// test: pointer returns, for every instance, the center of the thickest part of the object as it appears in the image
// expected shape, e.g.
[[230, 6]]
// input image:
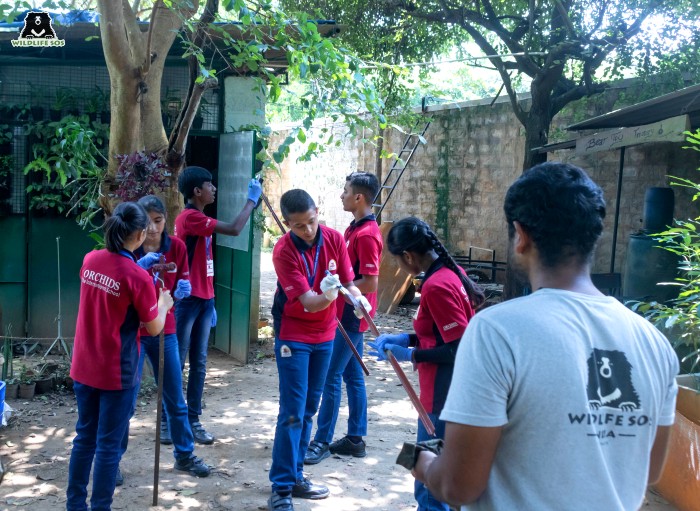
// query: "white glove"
[[365, 304], [329, 286]]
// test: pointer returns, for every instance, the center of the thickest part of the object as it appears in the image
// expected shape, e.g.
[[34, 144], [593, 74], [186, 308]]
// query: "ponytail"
[[413, 235], [127, 218], [474, 292]]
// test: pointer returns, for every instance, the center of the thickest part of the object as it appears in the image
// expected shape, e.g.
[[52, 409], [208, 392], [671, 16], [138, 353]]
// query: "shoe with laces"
[[201, 436], [346, 447], [119, 479], [165, 437], [316, 453], [277, 502], [194, 466], [305, 489]]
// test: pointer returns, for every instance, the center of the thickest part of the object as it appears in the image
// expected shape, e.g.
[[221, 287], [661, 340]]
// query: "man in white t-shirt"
[[562, 399]]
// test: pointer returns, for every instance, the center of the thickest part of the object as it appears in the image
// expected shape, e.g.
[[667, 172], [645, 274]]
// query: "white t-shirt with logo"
[[579, 384]]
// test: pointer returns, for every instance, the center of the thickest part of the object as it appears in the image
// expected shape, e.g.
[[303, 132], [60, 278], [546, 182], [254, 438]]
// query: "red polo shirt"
[[364, 243], [442, 317], [116, 295], [295, 262], [195, 229], [175, 252]]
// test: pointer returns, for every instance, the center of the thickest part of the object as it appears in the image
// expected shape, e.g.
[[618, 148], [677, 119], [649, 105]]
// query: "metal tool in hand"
[[159, 399], [422, 414], [349, 342], [264, 198]]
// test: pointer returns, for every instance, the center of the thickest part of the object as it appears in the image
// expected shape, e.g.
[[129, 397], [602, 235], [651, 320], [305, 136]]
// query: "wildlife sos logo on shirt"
[[38, 31], [614, 407]]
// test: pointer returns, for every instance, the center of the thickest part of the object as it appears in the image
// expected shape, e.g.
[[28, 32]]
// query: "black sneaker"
[[277, 502], [346, 447], [194, 466], [305, 489], [201, 436], [119, 480], [316, 453], [165, 437]]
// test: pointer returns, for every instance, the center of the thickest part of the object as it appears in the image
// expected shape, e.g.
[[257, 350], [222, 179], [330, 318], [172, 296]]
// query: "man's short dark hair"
[[191, 178], [561, 208], [295, 201], [365, 184]]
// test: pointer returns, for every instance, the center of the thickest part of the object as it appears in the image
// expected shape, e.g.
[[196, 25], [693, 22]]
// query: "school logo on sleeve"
[[332, 266]]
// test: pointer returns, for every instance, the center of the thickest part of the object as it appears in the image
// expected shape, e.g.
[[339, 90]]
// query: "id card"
[[210, 267]]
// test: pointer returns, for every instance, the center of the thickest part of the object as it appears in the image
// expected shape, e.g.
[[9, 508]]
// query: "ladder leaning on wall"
[[413, 140]]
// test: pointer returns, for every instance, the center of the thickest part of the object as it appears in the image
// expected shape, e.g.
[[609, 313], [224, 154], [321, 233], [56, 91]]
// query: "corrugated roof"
[[680, 102]]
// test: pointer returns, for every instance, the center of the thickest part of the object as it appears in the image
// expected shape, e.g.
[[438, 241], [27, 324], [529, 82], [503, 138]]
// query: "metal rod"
[[159, 415], [352, 347], [422, 414], [617, 209], [272, 212]]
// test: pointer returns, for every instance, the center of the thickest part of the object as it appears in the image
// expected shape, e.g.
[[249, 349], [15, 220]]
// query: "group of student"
[[518, 392]]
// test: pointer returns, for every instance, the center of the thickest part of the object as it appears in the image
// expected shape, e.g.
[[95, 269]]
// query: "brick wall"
[[457, 181]]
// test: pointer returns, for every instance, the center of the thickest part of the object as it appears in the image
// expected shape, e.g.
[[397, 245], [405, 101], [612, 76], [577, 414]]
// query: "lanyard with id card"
[[210, 261]]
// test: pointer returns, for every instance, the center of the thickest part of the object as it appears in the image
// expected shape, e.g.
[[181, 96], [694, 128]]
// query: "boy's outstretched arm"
[[234, 228]]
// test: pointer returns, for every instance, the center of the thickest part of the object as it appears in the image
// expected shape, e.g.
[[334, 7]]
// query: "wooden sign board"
[[668, 130], [393, 281]]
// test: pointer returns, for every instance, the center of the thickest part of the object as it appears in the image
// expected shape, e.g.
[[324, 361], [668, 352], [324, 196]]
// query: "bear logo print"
[[610, 381], [38, 31]]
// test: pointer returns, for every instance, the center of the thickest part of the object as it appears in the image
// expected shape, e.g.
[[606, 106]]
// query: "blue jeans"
[[103, 419], [302, 373], [173, 400], [193, 319], [426, 500], [343, 366]]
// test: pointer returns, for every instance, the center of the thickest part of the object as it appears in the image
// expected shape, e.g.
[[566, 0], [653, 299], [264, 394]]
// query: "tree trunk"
[[539, 119]]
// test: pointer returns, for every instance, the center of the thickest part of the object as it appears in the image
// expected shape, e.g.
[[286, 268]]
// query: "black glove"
[[409, 452]]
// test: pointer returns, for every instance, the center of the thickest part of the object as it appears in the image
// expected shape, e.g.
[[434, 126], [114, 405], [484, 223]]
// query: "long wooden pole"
[[352, 347]]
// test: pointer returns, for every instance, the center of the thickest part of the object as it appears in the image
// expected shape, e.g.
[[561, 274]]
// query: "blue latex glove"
[[254, 190], [380, 343], [213, 319], [149, 260], [183, 289], [402, 354]]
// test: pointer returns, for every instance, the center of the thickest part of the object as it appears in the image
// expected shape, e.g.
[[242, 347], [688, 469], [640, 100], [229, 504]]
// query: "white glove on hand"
[[365, 304], [329, 286]]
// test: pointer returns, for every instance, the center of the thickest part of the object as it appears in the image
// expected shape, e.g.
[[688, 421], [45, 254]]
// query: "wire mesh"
[[31, 93]]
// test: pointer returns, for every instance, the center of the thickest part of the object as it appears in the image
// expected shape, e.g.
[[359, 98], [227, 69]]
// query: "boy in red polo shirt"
[[305, 323], [195, 315], [364, 244]]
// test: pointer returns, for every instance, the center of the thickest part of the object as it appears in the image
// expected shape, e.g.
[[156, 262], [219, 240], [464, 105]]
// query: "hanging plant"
[[140, 174]]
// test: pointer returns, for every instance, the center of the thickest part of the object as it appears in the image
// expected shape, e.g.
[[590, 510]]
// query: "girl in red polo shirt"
[[447, 303], [116, 295]]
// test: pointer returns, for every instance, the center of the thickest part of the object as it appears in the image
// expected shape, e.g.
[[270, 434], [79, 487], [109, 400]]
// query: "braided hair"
[[414, 235], [126, 218]]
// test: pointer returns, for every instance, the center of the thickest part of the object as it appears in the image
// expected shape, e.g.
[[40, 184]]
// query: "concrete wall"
[[457, 181]]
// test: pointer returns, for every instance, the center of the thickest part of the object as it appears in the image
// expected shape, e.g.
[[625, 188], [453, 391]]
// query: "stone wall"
[[457, 181]]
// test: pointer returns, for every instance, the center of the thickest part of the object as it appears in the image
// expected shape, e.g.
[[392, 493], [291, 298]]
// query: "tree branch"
[[114, 40], [146, 66], [134, 35]]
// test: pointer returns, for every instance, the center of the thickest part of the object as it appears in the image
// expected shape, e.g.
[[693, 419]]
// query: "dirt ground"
[[241, 409]]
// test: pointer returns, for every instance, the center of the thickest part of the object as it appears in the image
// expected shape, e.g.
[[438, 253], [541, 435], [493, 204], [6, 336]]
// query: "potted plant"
[[27, 385], [37, 97], [11, 388], [95, 104], [678, 318], [6, 166], [63, 102]]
